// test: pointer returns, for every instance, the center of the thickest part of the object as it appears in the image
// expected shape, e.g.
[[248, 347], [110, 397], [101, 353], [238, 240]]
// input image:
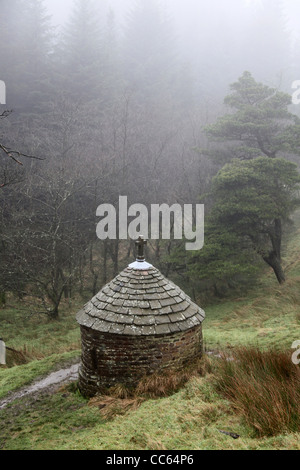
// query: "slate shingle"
[[141, 303]]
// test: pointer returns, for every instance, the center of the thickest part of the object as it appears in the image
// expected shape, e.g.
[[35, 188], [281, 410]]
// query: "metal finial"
[[140, 244]]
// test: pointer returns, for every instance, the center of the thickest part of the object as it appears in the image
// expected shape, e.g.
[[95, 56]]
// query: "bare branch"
[[13, 154], [10, 153], [5, 114]]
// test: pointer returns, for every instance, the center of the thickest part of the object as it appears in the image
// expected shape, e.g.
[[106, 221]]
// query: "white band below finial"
[[140, 265]]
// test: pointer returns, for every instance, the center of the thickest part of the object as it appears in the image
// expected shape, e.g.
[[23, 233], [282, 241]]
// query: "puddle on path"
[[56, 378]]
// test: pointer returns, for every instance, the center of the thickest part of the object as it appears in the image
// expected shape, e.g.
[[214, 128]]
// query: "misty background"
[[111, 98]]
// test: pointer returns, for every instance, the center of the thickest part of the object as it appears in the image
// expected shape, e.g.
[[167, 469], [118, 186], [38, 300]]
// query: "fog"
[[242, 32], [115, 98], [183, 11]]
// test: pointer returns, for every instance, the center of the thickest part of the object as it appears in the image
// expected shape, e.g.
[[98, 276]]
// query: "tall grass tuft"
[[120, 399], [163, 384], [263, 386]]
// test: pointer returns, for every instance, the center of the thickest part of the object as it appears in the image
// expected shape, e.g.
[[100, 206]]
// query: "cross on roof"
[[140, 244]]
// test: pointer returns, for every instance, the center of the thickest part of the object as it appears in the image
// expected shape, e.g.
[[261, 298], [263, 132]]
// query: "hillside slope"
[[191, 418]]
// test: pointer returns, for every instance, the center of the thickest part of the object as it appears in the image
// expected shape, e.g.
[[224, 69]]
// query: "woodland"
[[100, 107]]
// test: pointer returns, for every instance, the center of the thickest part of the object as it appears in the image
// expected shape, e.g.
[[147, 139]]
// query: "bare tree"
[[9, 175]]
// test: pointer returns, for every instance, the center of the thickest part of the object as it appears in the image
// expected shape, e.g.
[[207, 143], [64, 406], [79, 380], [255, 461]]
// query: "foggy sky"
[[183, 11]]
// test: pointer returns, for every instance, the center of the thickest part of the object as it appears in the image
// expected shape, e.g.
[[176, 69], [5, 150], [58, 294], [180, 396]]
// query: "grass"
[[268, 317], [41, 346], [176, 413], [269, 320], [190, 419], [16, 377], [36, 336], [264, 388]]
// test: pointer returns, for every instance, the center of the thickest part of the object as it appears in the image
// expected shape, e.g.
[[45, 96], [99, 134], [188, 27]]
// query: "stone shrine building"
[[138, 324]]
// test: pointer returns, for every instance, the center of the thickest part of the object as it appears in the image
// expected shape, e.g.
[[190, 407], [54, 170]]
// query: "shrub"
[[264, 387]]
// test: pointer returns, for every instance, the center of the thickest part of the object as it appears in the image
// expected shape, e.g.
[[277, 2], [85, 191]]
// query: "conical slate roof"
[[140, 301]]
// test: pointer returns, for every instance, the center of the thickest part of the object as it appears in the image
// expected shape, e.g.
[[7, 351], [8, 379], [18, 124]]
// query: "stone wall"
[[109, 359]]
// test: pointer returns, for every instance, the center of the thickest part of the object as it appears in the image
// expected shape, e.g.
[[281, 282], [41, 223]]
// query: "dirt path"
[[50, 383], [53, 381]]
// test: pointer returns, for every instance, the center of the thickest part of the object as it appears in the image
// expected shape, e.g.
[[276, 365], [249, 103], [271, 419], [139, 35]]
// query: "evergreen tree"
[[81, 56], [150, 51], [259, 123], [216, 46], [37, 36], [10, 30], [253, 195], [82, 35], [252, 201], [267, 44], [26, 45]]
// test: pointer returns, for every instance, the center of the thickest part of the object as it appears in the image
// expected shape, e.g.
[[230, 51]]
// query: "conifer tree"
[[254, 193], [259, 122], [25, 50], [150, 51], [80, 54], [267, 44]]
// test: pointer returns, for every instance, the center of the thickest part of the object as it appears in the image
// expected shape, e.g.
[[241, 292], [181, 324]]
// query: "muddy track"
[[48, 384]]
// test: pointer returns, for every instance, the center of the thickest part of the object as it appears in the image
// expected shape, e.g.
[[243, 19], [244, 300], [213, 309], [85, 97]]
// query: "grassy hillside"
[[190, 418]]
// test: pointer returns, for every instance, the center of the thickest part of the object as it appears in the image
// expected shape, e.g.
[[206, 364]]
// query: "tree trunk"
[[54, 315], [2, 299], [274, 257], [274, 261], [104, 270], [277, 237], [95, 284]]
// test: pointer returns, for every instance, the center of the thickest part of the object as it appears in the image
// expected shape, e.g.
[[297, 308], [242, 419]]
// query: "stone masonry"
[[137, 324]]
